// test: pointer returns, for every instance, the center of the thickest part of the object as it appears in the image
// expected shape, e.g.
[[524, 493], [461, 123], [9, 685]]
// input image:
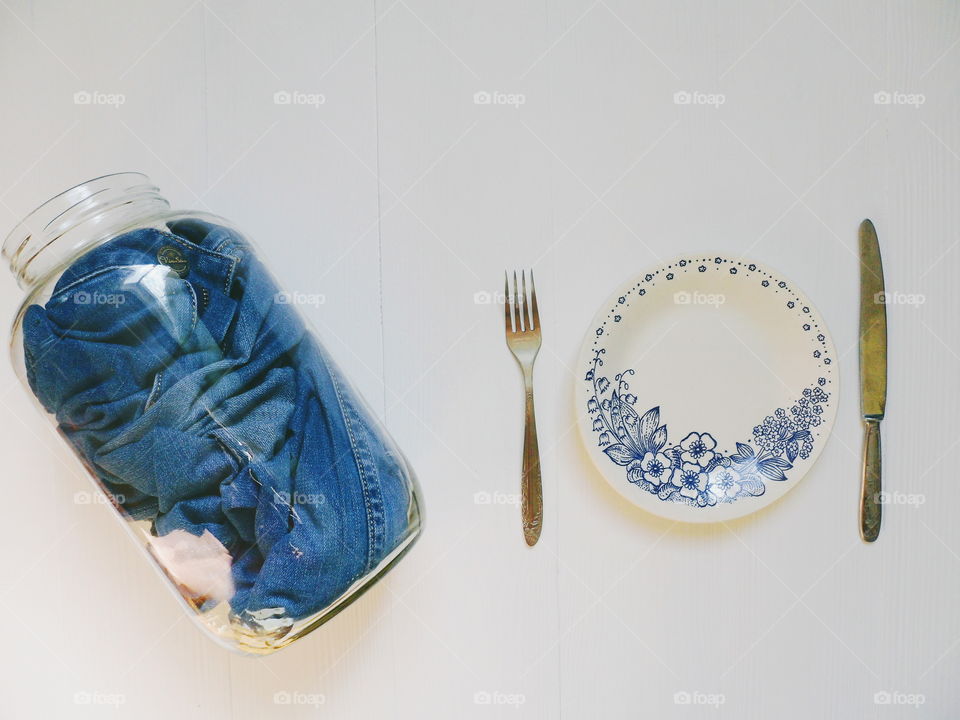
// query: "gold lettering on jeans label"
[[173, 259]]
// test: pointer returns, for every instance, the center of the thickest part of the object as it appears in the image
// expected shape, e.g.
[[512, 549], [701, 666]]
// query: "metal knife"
[[873, 376]]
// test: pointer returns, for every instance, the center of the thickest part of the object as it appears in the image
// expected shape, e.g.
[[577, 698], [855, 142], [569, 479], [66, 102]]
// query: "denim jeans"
[[202, 403]]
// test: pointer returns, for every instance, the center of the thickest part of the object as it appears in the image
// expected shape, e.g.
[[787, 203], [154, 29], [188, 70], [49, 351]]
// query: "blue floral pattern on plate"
[[694, 471]]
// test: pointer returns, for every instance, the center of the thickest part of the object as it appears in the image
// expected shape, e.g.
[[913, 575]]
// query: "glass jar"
[[244, 464]]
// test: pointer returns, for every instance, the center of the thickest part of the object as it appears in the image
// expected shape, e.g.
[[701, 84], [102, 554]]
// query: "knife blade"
[[873, 377]]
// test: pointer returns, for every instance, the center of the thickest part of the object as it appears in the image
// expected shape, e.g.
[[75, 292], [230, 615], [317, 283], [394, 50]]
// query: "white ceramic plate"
[[710, 385]]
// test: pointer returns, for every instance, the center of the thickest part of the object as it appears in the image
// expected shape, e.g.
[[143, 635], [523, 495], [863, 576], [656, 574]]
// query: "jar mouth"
[[76, 218]]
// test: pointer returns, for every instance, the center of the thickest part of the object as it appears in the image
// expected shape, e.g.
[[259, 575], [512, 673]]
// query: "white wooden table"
[[389, 186]]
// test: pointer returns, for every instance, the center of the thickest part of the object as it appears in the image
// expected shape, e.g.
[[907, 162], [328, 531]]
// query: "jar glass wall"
[[238, 455]]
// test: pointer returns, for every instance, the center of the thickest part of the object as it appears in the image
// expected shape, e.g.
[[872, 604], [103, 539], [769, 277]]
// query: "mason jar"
[[245, 466]]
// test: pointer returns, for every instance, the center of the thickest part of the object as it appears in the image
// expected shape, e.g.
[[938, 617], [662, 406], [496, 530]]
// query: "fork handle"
[[531, 488]]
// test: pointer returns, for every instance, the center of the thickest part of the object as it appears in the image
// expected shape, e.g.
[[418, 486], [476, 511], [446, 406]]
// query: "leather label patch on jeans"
[[173, 259]]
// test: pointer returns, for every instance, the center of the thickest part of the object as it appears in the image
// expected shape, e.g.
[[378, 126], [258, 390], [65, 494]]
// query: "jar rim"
[[63, 212], [49, 202]]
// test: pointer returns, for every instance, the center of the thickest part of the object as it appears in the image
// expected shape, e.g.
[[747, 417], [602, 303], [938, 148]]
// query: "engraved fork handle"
[[531, 488]]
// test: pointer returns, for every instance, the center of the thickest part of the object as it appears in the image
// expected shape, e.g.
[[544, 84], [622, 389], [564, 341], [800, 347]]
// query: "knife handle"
[[870, 506]]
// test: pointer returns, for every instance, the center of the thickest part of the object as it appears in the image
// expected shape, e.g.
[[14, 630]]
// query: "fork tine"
[[535, 314], [507, 306], [526, 305], [517, 304]]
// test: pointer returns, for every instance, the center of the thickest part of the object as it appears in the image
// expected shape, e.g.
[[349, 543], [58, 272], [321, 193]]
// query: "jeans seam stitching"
[[360, 470], [154, 391]]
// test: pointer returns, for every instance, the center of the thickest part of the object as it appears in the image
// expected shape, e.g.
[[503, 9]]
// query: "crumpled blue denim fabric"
[[204, 403]]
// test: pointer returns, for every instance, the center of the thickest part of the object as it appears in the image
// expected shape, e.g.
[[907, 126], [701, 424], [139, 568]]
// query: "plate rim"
[[680, 512]]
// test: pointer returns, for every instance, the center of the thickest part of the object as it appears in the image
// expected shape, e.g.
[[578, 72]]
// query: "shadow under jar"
[[242, 461]]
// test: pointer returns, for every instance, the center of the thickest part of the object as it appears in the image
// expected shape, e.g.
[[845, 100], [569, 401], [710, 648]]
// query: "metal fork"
[[523, 339]]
